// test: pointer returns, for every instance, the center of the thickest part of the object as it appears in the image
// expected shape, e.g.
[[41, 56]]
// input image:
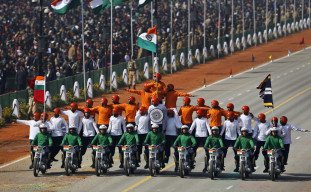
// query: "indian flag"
[[62, 6], [38, 94], [142, 3], [96, 5], [107, 3], [148, 40]]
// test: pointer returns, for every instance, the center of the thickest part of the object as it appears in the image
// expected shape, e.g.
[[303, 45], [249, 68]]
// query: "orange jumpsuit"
[[145, 97], [171, 98], [130, 111], [92, 113], [236, 113], [204, 110], [158, 88], [104, 113], [186, 114], [215, 116]]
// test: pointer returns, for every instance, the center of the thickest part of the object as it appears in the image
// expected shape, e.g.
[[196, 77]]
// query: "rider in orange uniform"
[[130, 109], [230, 108], [104, 112], [201, 103], [145, 95], [215, 113], [157, 87], [88, 105], [171, 96]]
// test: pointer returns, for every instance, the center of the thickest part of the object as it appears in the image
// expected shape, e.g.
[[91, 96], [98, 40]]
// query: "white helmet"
[[130, 125], [184, 127], [42, 126], [273, 129], [103, 127], [215, 128], [154, 126], [244, 129]]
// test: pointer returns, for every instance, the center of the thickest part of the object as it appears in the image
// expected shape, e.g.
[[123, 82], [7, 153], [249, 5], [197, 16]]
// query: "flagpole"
[[83, 51], [302, 7], [309, 15], [189, 15], [243, 22], [285, 10], [111, 52], [275, 17], [232, 19], [204, 25], [218, 36], [254, 16], [267, 21], [171, 35], [44, 96], [132, 46], [295, 12], [152, 54]]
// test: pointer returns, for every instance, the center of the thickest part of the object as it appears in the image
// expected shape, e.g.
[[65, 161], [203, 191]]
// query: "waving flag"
[[63, 6], [96, 5], [38, 94], [148, 40], [142, 3], [266, 91], [107, 3]]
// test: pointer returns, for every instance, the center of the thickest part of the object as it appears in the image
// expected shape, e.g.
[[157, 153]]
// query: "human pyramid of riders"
[[156, 123]]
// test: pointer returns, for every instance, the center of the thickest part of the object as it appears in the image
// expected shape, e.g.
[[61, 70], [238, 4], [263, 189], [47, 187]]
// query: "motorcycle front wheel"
[[151, 167], [36, 167], [97, 167], [242, 170], [67, 166], [181, 168], [127, 166], [272, 171], [211, 169]]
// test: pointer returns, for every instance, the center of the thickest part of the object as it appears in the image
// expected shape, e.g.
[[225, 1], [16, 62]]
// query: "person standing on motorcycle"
[[171, 96], [231, 131], [186, 112], [116, 103], [157, 86], [215, 113], [201, 129], [273, 141], [244, 142], [214, 141], [104, 112], [285, 130], [33, 131], [44, 139], [145, 95], [185, 139], [130, 109], [102, 139], [74, 116], [230, 108], [245, 119], [154, 137], [142, 121], [259, 135], [130, 137], [172, 130], [58, 127], [116, 129], [72, 138], [88, 105], [201, 103], [89, 130]]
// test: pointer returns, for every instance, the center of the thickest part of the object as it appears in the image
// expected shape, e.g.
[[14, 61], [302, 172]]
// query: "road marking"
[[229, 187], [278, 77], [239, 94], [297, 68], [289, 99], [298, 137], [13, 162], [231, 98]]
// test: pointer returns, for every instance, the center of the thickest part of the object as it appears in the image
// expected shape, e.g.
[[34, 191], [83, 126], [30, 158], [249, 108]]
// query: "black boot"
[[205, 165], [176, 167], [266, 163], [121, 160], [236, 166]]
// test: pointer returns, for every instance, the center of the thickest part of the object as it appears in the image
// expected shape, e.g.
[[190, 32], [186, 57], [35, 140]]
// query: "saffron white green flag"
[[39, 89], [96, 5], [142, 3], [148, 40], [62, 6]]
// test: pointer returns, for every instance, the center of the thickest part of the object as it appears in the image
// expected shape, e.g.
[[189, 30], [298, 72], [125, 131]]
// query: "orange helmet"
[[230, 106], [283, 120], [89, 102], [170, 112], [44, 115], [200, 101], [74, 105], [261, 117], [187, 100], [230, 115], [245, 108], [87, 110], [104, 101], [155, 100], [147, 87], [274, 119], [214, 103], [115, 111], [158, 76], [170, 87], [143, 109], [115, 98], [36, 116], [200, 112], [131, 99], [56, 111]]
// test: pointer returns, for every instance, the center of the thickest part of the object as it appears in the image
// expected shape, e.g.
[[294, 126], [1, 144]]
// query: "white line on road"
[[298, 137], [16, 161], [297, 68], [239, 94], [231, 98], [229, 187]]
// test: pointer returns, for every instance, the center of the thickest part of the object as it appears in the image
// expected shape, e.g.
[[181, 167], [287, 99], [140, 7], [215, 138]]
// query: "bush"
[[2, 122], [7, 115], [96, 90], [23, 108], [57, 102]]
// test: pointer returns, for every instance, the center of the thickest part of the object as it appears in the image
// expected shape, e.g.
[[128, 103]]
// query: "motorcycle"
[[40, 162], [245, 163], [129, 159], [275, 164], [154, 161], [71, 160], [101, 159], [184, 161], [214, 168]]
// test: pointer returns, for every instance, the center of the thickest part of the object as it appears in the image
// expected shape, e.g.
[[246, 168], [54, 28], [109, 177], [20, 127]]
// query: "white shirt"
[[231, 130], [33, 127], [89, 127], [201, 127], [163, 109], [172, 124], [142, 123], [286, 132], [246, 121], [260, 130], [115, 125], [58, 126], [74, 119]]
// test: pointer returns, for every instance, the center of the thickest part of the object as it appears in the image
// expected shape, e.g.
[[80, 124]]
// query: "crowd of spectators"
[[20, 26]]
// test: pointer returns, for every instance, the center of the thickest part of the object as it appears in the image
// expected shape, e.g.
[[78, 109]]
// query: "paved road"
[[291, 83]]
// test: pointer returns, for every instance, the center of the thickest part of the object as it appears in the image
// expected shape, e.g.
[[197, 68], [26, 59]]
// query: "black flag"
[[266, 91]]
